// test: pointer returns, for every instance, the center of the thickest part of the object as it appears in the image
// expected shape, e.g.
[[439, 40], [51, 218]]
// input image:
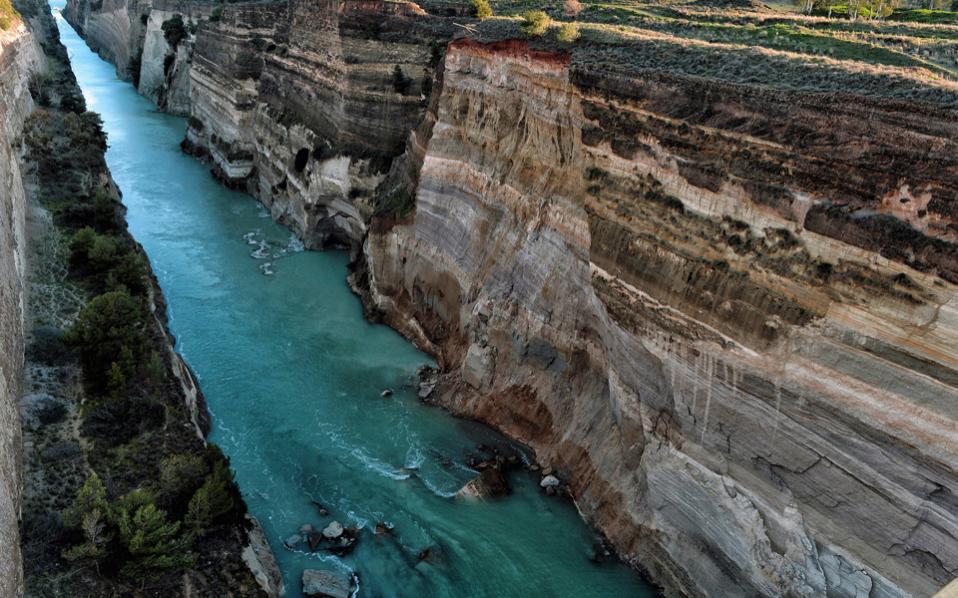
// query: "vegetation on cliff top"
[[8, 14], [777, 48]]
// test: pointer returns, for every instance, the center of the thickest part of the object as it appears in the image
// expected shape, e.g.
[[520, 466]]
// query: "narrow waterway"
[[292, 374]]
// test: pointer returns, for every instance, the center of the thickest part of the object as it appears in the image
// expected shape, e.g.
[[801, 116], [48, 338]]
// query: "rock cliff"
[[712, 286], [703, 303], [19, 57]]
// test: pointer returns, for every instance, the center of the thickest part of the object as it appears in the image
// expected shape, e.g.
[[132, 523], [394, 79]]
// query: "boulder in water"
[[428, 379], [333, 530], [326, 584], [490, 483], [306, 529], [550, 481], [344, 544], [387, 392], [293, 541]]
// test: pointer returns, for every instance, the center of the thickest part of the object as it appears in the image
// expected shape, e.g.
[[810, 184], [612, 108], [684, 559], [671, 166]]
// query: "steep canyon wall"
[[677, 291], [723, 311], [19, 57]]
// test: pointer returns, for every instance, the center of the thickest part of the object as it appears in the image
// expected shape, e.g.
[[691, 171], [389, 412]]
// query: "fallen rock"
[[549, 481], [386, 392], [344, 544], [490, 483], [478, 365], [326, 584], [428, 379], [314, 539], [293, 541], [333, 530]]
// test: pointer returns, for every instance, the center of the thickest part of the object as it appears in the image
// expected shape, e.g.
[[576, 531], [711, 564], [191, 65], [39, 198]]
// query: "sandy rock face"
[[702, 320]]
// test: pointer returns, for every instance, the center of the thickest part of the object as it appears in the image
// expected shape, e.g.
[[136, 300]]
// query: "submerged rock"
[[326, 584], [344, 544], [489, 484], [428, 379], [293, 541], [333, 530]]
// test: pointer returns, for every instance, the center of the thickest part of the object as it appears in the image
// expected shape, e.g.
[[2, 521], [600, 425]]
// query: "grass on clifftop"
[[914, 60], [8, 15]]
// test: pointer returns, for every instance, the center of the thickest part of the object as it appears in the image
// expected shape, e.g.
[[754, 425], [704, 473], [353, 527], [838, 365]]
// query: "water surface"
[[292, 375]]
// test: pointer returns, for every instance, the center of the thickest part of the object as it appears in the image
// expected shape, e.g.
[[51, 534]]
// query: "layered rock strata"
[[114, 29], [306, 104], [726, 314], [20, 56]]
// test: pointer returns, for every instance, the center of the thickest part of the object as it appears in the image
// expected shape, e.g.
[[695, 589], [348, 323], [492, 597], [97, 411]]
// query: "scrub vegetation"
[[881, 49], [130, 486]]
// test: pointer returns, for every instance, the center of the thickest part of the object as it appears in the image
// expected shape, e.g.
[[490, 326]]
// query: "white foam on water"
[[262, 252], [414, 458], [295, 245], [436, 489], [384, 469]]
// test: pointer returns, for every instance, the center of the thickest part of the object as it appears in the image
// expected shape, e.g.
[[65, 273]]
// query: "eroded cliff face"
[[19, 57], [114, 29], [164, 75], [306, 104], [725, 314]]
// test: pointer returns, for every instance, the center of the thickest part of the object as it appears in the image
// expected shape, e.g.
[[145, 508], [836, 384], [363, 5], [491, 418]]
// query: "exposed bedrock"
[[300, 104], [114, 29], [20, 55], [705, 305]]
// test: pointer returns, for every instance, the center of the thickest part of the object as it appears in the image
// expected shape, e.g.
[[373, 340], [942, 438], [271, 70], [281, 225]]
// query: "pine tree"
[[90, 514], [154, 544]]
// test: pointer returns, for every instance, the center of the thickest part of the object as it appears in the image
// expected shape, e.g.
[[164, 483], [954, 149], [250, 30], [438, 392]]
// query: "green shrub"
[[174, 30], [401, 82], [180, 477], [568, 33], [153, 544], [480, 9], [109, 330], [106, 263], [535, 23], [90, 515], [218, 500]]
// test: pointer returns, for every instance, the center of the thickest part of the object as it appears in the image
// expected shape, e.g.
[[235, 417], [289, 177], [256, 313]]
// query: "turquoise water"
[[292, 375]]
